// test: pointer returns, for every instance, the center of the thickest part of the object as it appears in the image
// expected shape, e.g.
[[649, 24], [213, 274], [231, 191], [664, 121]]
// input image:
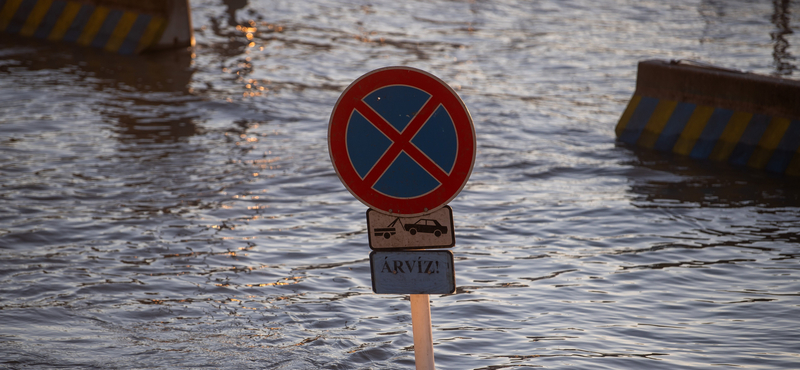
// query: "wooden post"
[[423, 337]]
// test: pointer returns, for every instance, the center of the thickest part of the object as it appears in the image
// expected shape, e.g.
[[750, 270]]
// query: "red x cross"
[[401, 141]]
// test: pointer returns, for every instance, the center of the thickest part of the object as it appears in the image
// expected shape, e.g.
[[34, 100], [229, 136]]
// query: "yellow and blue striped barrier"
[[689, 122], [101, 24]]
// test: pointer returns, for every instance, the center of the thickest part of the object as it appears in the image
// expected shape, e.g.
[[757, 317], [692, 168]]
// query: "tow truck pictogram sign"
[[423, 225], [433, 230], [401, 141]]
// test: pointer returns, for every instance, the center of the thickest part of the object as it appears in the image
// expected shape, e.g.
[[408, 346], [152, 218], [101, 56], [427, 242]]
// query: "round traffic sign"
[[401, 141]]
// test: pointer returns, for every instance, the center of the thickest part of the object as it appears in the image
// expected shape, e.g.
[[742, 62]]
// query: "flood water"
[[180, 209]]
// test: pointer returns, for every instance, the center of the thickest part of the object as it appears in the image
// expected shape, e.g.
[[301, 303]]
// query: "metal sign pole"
[[423, 337], [403, 143]]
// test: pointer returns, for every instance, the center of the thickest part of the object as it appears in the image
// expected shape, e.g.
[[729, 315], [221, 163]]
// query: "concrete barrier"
[[120, 26], [707, 112]]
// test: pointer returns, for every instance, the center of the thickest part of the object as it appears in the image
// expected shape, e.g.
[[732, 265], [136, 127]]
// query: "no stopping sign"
[[401, 141]]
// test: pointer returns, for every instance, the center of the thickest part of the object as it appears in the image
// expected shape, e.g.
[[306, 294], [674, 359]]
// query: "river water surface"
[[180, 209]]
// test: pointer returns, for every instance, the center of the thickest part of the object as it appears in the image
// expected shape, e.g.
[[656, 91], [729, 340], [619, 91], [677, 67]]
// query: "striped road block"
[[126, 29], [741, 118]]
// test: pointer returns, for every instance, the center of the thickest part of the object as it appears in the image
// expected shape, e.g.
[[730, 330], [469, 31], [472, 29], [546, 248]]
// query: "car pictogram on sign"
[[426, 226]]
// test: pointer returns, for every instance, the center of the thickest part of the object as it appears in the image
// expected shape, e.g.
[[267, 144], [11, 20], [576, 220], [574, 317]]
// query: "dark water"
[[180, 209]]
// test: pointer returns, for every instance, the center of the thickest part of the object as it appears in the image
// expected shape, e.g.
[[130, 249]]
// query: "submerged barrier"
[[120, 26], [706, 112]]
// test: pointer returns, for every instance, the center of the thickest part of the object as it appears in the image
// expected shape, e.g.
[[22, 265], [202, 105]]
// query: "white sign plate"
[[412, 272], [432, 230]]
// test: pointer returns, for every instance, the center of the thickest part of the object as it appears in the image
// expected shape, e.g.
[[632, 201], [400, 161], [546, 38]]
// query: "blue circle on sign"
[[436, 139]]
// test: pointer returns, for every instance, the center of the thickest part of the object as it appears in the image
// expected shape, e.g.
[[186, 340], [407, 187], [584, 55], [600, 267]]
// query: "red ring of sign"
[[351, 99]]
